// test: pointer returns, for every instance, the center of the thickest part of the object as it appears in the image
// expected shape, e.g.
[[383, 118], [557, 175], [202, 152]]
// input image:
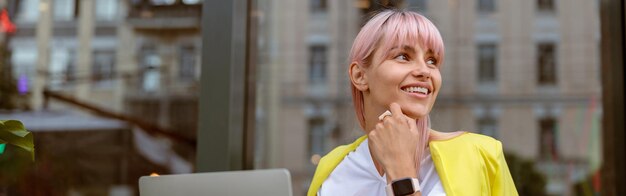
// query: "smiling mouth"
[[416, 89]]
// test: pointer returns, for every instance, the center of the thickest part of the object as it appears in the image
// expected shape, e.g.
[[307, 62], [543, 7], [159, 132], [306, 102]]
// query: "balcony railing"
[[159, 17]]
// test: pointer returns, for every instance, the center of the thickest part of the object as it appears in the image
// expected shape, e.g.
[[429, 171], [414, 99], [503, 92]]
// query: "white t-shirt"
[[357, 175]]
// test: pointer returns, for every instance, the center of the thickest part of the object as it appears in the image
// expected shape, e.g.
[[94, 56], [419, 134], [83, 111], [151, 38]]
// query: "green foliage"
[[15, 165], [13, 132], [528, 180]]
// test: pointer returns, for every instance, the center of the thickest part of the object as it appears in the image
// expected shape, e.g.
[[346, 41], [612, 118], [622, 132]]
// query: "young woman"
[[395, 74]]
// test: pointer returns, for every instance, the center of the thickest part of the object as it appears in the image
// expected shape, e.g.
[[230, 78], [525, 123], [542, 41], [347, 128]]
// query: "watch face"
[[403, 187]]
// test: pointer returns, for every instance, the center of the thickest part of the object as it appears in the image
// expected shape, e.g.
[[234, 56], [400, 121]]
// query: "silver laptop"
[[231, 183]]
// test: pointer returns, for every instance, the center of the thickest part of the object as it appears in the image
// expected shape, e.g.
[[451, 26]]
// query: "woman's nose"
[[420, 70]]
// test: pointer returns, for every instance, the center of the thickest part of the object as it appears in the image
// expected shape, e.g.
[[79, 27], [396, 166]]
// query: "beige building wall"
[[516, 64], [458, 71], [516, 34], [287, 97], [452, 117], [286, 133], [517, 101], [579, 47], [517, 130], [294, 145]]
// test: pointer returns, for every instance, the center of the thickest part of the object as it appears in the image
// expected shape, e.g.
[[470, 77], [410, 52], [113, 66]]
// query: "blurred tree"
[[8, 86], [528, 180], [590, 185]]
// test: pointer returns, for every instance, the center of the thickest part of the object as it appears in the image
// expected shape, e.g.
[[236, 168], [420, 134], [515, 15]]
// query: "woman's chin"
[[416, 113], [415, 110]]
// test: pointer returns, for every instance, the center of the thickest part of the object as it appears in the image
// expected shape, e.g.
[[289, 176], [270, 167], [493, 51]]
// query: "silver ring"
[[382, 116]]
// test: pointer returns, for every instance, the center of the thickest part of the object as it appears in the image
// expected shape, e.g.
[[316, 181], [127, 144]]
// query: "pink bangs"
[[389, 29]]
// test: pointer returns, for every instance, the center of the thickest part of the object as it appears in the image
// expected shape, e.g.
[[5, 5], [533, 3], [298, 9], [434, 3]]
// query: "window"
[[488, 126], [163, 2], [317, 136], [546, 63], [318, 5], [487, 63], [150, 63], [103, 67], [70, 74], [548, 139], [545, 5], [106, 10], [317, 64], [61, 63], [418, 5], [63, 10], [26, 12], [24, 62], [187, 63], [486, 6], [191, 2], [70, 70]]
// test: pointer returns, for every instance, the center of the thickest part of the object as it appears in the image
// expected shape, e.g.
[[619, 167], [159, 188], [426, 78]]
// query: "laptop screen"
[[251, 182]]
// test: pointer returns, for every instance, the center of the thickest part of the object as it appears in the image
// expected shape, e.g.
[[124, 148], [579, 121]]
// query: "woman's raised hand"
[[393, 143]]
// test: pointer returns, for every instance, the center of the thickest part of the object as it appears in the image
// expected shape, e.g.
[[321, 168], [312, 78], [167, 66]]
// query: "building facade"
[[136, 59], [523, 72]]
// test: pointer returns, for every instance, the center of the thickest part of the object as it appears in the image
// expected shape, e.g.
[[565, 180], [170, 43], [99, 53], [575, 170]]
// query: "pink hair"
[[388, 29]]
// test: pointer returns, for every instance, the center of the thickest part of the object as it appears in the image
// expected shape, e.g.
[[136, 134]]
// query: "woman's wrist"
[[401, 171]]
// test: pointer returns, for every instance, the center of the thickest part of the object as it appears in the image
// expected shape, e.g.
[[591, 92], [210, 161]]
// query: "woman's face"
[[408, 75]]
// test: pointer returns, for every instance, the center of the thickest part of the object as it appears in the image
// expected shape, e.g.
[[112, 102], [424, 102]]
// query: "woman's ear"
[[358, 77]]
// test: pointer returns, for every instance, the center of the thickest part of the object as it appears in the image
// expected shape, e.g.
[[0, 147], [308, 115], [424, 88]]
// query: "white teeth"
[[422, 90], [416, 90]]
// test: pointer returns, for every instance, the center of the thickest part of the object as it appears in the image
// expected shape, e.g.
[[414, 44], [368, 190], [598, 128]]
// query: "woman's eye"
[[402, 57], [431, 61]]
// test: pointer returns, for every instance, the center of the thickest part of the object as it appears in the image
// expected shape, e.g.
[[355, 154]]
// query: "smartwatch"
[[403, 186]]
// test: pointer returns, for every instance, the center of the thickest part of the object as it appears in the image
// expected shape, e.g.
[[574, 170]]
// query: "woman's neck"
[[371, 112]]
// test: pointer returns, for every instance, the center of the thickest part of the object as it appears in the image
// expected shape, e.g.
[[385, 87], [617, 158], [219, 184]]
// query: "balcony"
[[178, 16]]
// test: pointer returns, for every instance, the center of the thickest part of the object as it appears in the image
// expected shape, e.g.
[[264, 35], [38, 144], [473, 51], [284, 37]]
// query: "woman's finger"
[[412, 123], [396, 111]]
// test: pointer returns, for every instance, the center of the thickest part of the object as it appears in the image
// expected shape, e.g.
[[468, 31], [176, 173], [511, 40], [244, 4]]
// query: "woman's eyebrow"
[[430, 52], [407, 48]]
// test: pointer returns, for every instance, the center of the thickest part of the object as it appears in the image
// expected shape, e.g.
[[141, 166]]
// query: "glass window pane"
[[317, 64], [103, 68], [548, 139], [28, 10], [63, 10], [545, 5], [486, 6], [318, 5], [487, 63], [187, 63], [106, 9], [546, 63]]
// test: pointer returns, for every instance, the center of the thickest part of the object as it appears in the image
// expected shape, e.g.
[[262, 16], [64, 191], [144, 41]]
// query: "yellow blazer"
[[469, 164]]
